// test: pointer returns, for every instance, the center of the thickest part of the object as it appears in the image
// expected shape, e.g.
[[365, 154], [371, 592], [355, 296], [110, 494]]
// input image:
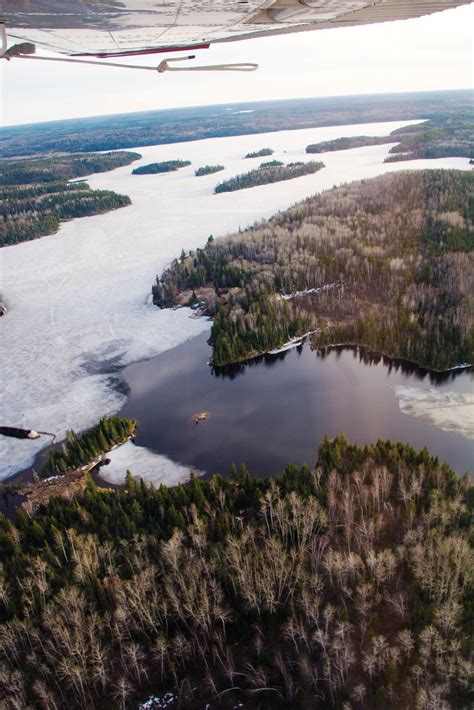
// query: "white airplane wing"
[[128, 27]]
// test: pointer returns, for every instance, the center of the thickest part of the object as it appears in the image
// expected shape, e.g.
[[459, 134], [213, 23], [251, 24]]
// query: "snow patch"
[[293, 343], [307, 291]]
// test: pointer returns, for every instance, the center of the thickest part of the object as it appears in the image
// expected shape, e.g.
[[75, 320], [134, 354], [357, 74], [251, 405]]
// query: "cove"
[[276, 409]]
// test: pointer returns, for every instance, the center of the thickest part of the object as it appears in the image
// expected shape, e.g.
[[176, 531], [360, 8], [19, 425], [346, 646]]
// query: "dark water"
[[277, 409]]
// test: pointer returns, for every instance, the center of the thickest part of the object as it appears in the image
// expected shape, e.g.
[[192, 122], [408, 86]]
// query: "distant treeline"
[[386, 263], [268, 173], [260, 153], [167, 166], [347, 585], [208, 170], [81, 449], [185, 124], [56, 168]]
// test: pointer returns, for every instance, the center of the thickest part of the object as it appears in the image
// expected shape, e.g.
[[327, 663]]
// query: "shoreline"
[[25, 475], [394, 358], [31, 494], [299, 339]]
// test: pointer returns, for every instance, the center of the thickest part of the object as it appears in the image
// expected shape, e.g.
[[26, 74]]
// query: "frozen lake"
[[77, 301]]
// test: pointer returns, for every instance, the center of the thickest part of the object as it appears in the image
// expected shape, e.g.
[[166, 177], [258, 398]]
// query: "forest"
[[273, 171], [275, 164], [32, 211], [166, 166], [208, 170], [36, 196], [59, 168], [345, 143], [83, 449], [260, 153], [385, 263], [195, 123], [348, 585], [441, 137]]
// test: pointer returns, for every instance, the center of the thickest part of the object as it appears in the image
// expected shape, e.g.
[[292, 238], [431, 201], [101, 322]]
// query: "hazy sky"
[[433, 52]]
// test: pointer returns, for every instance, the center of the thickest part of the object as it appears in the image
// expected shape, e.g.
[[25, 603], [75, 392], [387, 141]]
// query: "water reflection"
[[233, 371], [370, 357], [363, 355], [276, 408]]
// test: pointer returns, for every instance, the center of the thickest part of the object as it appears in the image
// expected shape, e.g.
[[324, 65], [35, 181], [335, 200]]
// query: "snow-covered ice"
[[145, 464], [78, 301], [451, 411]]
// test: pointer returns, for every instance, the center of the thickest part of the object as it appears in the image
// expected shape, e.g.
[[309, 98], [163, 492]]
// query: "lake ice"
[[78, 301]]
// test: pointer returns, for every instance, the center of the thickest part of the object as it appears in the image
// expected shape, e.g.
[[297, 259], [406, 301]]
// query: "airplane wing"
[[133, 27]]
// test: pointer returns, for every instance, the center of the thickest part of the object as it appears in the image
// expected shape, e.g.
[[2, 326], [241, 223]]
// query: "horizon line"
[[236, 103]]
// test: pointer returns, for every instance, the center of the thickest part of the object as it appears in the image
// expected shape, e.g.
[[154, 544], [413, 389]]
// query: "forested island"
[[260, 153], [208, 170], [59, 168], [36, 196], [345, 143], [32, 211], [274, 171], [386, 263], [275, 164], [167, 166], [345, 585]]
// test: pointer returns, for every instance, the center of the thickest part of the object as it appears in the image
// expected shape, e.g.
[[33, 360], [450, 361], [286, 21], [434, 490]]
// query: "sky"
[[433, 52]]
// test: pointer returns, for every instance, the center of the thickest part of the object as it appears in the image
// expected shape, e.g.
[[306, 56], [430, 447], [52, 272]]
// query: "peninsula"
[[386, 263]]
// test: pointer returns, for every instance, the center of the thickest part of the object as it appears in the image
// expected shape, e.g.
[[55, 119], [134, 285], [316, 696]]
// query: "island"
[[59, 168], [208, 170], [348, 581], [267, 173], [386, 263], [275, 164], [167, 166], [33, 211], [36, 196], [260, 153]]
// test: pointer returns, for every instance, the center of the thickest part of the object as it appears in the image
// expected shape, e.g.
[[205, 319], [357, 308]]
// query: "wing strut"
[[26, 50], [17, 433]]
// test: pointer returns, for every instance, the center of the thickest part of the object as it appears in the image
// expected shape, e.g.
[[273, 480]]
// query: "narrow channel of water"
[[277, 409]]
